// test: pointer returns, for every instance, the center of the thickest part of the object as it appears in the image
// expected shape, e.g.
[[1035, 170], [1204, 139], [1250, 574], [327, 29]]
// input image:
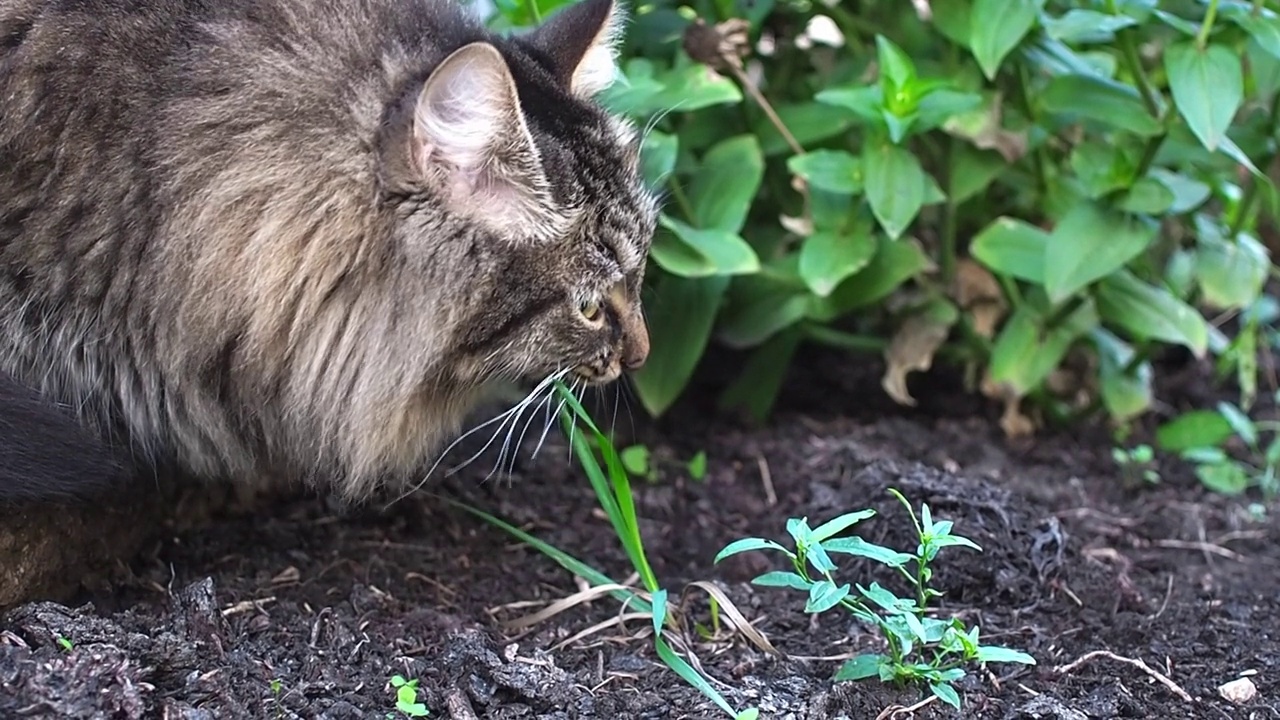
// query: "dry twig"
[[1135, 662]]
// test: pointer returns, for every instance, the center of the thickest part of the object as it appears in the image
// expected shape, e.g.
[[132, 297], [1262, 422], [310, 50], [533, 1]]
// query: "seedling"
[[64, 643], [921, 649], [1199, 437], [407, 698], [1137, 464]]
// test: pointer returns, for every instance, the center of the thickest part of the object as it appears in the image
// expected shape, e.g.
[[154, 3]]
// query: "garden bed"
[[299, 610]]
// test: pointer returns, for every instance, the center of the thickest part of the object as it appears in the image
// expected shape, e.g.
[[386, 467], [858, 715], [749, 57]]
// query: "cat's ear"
[[581, 41], [469, 128]]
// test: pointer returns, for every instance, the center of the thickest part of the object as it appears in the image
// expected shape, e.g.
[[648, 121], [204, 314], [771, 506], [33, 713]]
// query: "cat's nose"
[[636, 352]]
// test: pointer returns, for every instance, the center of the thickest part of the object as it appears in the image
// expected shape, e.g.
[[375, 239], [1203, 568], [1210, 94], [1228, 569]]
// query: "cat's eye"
[[590, 309]]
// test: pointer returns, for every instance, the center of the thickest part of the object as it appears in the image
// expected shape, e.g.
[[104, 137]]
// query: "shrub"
[[1018, 187]]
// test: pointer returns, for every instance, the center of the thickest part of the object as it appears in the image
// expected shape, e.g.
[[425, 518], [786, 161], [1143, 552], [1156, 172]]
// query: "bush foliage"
[[1044, 193]]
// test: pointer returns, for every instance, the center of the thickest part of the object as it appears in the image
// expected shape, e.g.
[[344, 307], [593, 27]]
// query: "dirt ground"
[[293, 608]]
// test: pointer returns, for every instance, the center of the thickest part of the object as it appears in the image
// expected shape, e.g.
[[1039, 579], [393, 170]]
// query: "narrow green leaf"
[[1090, 243], [1188, 193], [748, 545], [861, 548], [1125, 394], [839, 524], [996, 27], [779, 578], [828, 257], [1207, 87], [895, 186], [824, 595], [1240, 423], [1009, 246], [997, 654], [1148, 312], [1025, 352], [1147, 196]]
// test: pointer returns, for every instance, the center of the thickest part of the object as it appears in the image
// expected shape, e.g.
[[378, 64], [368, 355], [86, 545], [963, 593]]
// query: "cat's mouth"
[[599, 375]]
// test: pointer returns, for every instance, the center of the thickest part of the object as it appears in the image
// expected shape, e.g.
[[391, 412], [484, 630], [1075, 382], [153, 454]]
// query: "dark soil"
[[295, 609]]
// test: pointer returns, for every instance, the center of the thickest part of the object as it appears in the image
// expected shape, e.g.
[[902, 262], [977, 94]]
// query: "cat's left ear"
[[581, 41]]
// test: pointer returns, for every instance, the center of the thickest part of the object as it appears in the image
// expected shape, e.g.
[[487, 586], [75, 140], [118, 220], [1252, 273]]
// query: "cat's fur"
[[299, 237]]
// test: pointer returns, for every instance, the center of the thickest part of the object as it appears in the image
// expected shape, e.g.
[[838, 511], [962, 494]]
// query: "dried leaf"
[[977, 292], [982, 128], [913, 347]]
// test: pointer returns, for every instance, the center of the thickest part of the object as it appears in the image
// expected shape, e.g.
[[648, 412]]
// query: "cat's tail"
[[47, 455]]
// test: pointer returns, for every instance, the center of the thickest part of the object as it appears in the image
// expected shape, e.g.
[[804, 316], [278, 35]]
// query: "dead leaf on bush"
[[913, 347], [1013, 421], [977, 291], [982, 128]]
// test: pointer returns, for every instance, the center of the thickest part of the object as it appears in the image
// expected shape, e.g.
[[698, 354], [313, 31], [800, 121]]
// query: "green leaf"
[[728, 178], [1009, 246], [946, 694], [1124, 394], [996, 27], [972, 171], [895, 262], [658, 157], [895, 185], [1099, 99], [833, 170], [997, 654], [718, 252], [635, 459], [698, 465], [839, 524], [1194, 429], [895, 67], [1264, 27], [824, 595], [1207, 87], [1088, 244], [778, 578], [860, 668], [828, 257], [1226, 477], [861, 548], [748, 545], [1188, 193], [1025, 352], [1151, 313], [1231, 274], [681, 315], [865, 101], [880, 596], [1147, 196], [1241, 424], [1086, 26]]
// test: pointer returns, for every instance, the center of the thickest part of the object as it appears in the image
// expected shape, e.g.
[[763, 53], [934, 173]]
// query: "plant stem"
[[1202, 37], [678, 194], [535, 11], [1063, 313], [1134, 63]]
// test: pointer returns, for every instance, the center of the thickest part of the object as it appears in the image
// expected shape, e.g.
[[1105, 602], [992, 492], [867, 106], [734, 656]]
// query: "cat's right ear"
[[469, 132], [582, 41]]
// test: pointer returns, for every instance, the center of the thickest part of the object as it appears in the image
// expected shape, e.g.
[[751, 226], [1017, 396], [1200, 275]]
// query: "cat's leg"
[[47, 455]]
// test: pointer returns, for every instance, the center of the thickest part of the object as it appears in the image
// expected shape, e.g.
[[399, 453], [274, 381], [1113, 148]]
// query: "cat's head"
[[546, 187]]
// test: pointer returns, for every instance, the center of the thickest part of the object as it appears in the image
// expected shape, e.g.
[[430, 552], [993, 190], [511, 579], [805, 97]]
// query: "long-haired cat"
[[299, 237]]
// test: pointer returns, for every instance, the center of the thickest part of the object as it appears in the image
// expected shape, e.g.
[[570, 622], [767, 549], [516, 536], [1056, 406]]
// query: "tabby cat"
[[300, 237]]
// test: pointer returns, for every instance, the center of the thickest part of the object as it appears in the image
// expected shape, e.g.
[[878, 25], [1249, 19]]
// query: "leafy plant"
[[407, 697], [64, 643], [1200, 436], [1010, 186], [921, 649]]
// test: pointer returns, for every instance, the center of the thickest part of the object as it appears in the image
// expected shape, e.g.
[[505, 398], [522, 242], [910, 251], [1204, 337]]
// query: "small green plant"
[[1137, 463], [1200, 437], [920, 648], [639, 461], [64, 643], [407, 698]]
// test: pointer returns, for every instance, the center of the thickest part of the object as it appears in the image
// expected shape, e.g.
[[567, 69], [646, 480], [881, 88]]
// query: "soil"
[[292, 607]]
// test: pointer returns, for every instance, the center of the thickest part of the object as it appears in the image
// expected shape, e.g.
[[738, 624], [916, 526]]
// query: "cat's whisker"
[[547, 428], [545, 402]]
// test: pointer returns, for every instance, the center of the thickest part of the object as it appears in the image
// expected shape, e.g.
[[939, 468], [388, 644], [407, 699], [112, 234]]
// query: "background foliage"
[[1044, 193]]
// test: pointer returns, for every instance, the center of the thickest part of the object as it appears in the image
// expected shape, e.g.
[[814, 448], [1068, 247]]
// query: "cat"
[[301, 238]]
